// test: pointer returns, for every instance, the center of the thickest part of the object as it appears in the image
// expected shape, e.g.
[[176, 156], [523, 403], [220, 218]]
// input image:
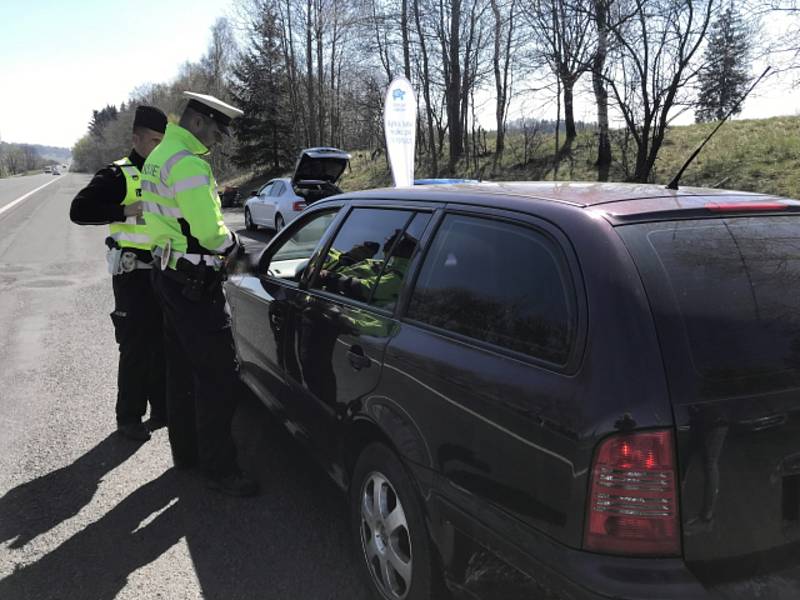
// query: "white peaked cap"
[[215, 104]]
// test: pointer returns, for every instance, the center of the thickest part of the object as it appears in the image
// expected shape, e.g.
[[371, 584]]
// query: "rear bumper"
[[490, 567]]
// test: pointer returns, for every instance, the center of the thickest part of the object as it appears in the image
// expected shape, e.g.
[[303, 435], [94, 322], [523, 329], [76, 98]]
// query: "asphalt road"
[[85, 514]]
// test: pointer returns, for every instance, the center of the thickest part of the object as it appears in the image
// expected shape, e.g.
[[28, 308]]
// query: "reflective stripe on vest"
[[131, 233]]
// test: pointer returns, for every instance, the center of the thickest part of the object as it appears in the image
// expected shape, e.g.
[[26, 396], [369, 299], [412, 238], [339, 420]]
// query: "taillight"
[[298, 206], [633, 501]]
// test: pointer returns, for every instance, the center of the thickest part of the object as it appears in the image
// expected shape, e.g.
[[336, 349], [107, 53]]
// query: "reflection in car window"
[[402, 247], [277, 189], [731, 296], [293, 255], [500, 283], [356, 257]]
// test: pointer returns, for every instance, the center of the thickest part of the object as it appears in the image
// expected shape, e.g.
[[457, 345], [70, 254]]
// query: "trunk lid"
[[320, 165], [725, 294]]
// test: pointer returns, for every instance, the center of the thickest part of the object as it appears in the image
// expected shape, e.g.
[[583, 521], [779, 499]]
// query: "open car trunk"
[[725, 294], [317, 171]]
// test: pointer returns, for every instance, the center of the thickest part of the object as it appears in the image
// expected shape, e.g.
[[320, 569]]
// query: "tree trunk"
[[603, 163], [426, 91], [558, 127], [310, 92], [406, 43], [569, 113], [318, 32], [499, 86], [453, 91]]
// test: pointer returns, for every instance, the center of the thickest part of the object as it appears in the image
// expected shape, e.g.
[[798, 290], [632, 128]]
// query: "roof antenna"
[[673, 184]]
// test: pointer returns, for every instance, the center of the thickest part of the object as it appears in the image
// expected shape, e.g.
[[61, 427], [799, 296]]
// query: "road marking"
[[13, 203]]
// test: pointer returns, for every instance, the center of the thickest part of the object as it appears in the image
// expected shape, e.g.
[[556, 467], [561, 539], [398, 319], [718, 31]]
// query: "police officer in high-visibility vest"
[[113, 197], [192, 247]]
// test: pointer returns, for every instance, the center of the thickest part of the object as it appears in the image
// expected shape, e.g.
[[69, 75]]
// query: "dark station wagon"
[[544, 390]]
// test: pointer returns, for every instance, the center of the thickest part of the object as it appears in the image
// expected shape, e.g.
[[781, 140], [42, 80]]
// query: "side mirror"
[[254, 193]]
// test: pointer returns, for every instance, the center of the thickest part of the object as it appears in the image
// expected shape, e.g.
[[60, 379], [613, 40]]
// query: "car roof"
[[618, 202]]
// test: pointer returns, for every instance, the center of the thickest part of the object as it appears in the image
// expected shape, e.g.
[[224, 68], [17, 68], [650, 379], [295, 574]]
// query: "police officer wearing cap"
[[113, 197], [192, 246]]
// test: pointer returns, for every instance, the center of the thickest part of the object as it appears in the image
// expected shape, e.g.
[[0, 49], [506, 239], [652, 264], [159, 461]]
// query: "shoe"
[[134, 431], [236, 484], [154, 423]]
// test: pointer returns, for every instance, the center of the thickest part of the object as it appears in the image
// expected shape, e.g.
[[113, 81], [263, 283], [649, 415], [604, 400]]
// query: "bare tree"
[[564, 33], [657, 43], [504, 31], [219, 57]]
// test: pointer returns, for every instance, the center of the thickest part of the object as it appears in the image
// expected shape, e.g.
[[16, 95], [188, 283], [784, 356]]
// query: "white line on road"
[[13, 203]]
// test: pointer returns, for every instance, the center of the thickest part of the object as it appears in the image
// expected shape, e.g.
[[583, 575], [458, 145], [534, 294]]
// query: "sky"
[[60, 59]]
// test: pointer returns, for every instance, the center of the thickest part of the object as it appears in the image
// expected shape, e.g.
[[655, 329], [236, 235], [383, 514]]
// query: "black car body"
[[591, 388]]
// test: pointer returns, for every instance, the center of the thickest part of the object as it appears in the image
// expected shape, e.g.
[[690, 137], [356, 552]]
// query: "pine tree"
[[259, 88], [724, 78]]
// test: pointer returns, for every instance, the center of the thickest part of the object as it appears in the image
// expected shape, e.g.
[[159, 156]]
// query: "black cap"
[[151, 118]]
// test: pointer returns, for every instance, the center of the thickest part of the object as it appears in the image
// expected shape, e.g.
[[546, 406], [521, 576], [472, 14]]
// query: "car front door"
[[344, 321], [259, 302]]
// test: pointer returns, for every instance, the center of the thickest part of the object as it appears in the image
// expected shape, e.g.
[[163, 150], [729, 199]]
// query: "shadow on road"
[[291, 542], [37, 506]]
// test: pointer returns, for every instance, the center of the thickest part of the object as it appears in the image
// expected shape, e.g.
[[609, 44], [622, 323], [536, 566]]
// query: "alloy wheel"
[[385, 537]]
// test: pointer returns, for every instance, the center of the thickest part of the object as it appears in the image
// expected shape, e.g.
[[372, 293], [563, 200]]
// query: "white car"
[[281, 200], [274, 205]]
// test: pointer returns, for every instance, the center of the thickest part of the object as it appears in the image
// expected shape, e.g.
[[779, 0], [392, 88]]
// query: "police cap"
[[214, 108], [151, 118]]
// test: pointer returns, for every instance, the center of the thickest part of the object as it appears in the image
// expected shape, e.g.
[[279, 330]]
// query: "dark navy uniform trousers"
[[138, 327], [202, 374]]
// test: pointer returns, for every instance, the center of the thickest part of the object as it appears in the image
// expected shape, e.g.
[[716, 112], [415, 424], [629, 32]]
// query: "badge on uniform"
[[165, 253]]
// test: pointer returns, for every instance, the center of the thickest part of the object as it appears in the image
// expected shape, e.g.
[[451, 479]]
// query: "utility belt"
[[198, 279], [122, 260]]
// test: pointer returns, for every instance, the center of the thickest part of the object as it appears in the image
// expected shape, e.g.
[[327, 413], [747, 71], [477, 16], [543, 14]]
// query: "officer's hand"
[[133, 210]]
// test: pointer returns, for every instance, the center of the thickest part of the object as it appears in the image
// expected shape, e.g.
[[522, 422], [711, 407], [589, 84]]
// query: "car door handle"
[[358, 360]]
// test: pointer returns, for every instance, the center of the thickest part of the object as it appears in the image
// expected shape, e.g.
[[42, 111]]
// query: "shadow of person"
[[37, 506], [96, 562]]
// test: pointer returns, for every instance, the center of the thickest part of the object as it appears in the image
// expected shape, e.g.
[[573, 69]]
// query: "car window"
[[500, 283], [264, 191], [292, 256], [277, 189], [725, 292], [355, 260]]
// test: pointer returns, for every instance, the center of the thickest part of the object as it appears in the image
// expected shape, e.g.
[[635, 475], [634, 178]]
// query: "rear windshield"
[[726, 296]]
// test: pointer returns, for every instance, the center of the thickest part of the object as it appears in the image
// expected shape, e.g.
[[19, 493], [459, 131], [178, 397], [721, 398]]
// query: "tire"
[[248, 221], [395, 558], [279, 222]]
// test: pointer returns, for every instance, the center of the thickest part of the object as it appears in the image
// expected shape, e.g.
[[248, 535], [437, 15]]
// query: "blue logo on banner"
[[398, 95]]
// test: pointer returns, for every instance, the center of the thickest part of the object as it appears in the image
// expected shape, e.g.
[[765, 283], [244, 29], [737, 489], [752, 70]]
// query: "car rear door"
[[483, 365], [726, 298]]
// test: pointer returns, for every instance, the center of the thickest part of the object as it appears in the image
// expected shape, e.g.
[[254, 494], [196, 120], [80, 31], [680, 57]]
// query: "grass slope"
[[753, 155]]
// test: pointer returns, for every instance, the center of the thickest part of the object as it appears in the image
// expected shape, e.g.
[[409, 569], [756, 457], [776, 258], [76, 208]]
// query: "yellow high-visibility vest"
[[131, 233]]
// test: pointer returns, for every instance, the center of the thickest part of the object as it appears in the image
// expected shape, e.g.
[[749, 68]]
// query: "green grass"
[[751, 155]]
